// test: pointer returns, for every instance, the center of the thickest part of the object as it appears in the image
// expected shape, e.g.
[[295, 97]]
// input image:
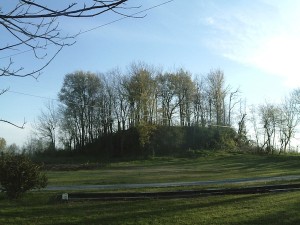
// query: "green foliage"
[[145, 131], [148, 139], [2, 144], [168, 140], [81, 122], [179, 140], [19, 174], [226, 138]]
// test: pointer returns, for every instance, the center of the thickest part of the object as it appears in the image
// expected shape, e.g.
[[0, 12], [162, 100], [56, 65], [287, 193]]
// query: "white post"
[[65, 197]]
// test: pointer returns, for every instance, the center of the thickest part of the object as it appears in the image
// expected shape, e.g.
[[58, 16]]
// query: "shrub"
[[19, 174]]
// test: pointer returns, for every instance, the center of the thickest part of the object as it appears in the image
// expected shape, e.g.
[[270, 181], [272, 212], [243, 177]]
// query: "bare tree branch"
[[3, 91], [31, 10], [33, 26]]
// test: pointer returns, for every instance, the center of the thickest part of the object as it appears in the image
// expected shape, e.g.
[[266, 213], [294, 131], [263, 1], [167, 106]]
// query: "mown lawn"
[[208, 167], [36, 208], [39, 207]]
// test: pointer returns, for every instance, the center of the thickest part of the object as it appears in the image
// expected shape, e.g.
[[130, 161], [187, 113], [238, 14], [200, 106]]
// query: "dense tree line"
[[104, 111], [95, 105]]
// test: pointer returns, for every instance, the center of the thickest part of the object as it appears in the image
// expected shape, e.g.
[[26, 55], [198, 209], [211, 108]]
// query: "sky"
[[256, 43]]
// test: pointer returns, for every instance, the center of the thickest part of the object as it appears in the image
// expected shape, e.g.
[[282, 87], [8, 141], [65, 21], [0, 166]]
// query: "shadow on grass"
[[35, 208], [283, 211], [162, 170]]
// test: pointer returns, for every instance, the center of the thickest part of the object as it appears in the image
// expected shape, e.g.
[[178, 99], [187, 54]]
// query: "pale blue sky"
[[256, 43]]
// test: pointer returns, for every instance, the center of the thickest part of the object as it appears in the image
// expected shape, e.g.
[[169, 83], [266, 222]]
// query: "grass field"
[[208, 167], [35, 208], [273, 208]]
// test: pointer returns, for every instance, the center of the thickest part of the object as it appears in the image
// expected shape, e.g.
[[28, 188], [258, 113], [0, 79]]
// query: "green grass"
[[35, 208], [210, 167], [273, 208]]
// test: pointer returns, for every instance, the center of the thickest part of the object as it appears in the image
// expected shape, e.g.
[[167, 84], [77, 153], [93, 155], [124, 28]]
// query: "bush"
[[19, 174], [180, 140]]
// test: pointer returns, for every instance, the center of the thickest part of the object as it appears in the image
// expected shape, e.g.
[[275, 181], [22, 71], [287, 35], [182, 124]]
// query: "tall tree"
[[166, 96], [269, 116], [184, 90], [254, 122], [80, 96], [108, 98], [289, 119], [234, 99], [216, 92], [120, 100], [141, 90], [200, 103], [47, 125]]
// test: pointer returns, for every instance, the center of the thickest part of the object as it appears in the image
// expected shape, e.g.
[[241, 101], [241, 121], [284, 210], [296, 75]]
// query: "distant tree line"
[[146, 110], [144, 98], [274, 126]]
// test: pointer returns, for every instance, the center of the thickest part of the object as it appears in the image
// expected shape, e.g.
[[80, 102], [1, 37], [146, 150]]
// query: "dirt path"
[[116, 196], [174, 184]]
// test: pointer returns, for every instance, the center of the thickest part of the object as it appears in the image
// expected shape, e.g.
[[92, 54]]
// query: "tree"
[[33, 26], [176, 93], [242, 139], [141, 88], [253, 120], [217, 92], [13, 148], [233, 101], [184, 91], [34, 145], [200, 104], [288, 119], [242, 132], [2, 144], [120, 102], [145, 131], [83, 107], [166, 96], [18, 174], [269, 116], [108, 97], [47, 125]]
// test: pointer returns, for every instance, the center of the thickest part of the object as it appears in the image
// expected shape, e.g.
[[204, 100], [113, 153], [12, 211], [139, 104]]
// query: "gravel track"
[[173, 184]]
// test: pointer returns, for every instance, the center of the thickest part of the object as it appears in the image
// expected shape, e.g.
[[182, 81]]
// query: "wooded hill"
[[143, 110], [162, 141]]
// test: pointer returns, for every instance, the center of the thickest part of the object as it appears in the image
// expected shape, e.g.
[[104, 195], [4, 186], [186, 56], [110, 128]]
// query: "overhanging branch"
[[13, 124], [33, 26]]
